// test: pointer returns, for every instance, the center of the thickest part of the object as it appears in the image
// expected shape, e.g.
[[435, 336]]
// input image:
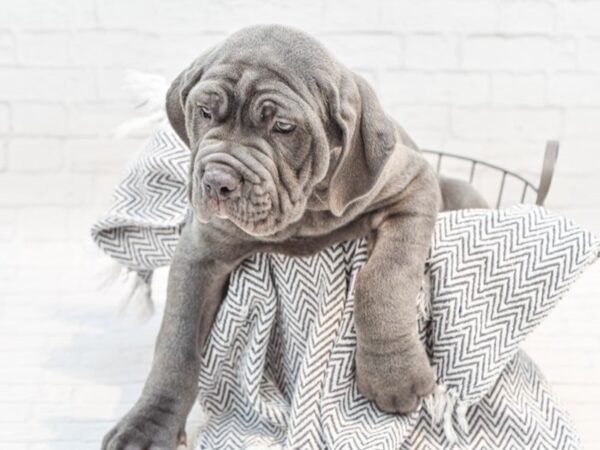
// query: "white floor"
[[70, 367]]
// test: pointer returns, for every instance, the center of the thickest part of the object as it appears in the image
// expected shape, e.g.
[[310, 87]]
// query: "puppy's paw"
[[396, 380], [145, 428]]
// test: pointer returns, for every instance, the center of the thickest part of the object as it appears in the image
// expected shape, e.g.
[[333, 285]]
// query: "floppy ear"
[[178, 92], [368, 138]]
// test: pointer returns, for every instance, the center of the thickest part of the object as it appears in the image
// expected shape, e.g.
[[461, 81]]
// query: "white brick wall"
[[488, 78]]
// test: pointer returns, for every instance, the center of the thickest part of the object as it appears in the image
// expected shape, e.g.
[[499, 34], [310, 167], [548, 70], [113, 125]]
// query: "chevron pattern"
[[149, 206], [278, 367], [501, 272], [517, 413], [281, 353]]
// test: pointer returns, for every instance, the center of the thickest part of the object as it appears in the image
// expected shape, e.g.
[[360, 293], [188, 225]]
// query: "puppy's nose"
[[221, 182]]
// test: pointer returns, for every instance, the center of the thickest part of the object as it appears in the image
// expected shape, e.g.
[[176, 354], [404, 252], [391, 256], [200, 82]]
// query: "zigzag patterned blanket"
[[278, 366]]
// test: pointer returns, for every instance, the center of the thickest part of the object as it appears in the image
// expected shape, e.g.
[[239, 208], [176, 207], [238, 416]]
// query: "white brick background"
[[492, 79]]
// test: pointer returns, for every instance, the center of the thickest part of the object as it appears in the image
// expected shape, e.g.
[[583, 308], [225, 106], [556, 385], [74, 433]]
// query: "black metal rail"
[[541, 190]]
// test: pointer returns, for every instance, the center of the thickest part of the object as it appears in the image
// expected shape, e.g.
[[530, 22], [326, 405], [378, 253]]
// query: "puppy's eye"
[[283, 127], [205, 112]]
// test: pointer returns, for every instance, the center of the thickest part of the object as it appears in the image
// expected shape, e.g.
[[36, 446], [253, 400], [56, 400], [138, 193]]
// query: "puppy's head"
[[270, 117]]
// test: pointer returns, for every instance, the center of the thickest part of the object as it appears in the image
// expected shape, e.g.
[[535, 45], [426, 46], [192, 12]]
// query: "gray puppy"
[[291, 152]]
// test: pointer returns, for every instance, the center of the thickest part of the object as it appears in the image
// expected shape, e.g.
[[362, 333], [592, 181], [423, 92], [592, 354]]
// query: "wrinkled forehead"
[[241, 86], [270, 60]]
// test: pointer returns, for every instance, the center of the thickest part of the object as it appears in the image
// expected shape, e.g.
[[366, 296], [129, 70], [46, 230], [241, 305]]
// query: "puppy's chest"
[[323, 223]]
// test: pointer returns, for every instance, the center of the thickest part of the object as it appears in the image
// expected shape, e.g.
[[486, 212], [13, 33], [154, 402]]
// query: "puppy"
[[291, 152]]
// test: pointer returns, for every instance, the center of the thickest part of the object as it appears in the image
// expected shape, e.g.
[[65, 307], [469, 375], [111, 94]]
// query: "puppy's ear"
[[368, 138], [178, 92]]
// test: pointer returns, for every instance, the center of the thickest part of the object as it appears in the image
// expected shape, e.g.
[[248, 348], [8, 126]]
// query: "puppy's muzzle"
[[221, 182]]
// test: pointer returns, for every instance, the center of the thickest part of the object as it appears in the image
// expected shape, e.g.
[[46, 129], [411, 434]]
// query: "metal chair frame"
[[541, 190]]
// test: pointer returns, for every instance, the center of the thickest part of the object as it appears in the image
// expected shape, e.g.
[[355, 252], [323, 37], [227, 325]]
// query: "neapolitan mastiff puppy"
[[291, 152]]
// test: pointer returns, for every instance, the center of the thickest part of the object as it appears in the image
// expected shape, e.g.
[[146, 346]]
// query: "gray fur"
[[346, 171]]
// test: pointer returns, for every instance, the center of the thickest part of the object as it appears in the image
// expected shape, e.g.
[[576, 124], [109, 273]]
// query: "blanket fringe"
[[423, 304], [148, 92], [133, 293], [443, 405]]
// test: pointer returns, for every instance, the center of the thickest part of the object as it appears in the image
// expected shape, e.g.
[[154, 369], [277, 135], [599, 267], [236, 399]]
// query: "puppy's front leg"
[[392, 367], [197, 280]]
